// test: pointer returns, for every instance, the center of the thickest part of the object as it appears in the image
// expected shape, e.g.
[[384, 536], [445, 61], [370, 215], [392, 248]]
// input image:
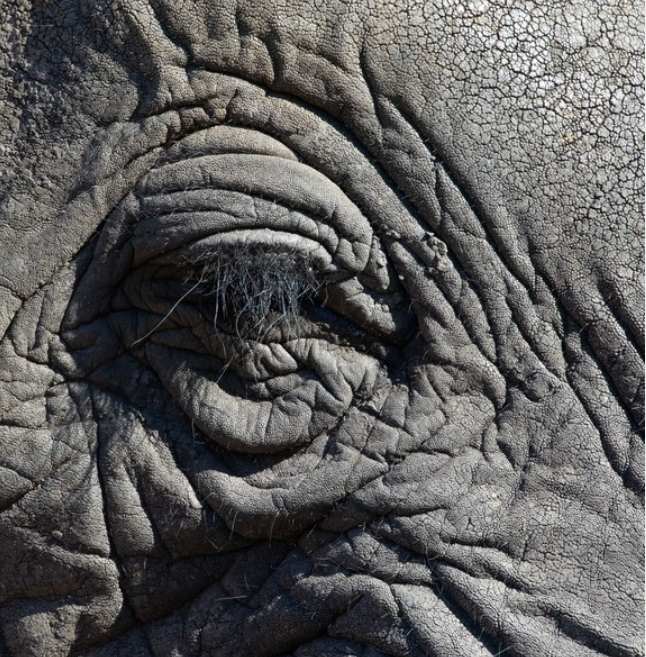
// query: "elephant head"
[[321, 329]]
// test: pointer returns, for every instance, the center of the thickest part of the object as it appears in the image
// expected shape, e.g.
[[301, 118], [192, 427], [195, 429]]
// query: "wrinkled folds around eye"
[[217, 204], [256, 208], [254, 287]]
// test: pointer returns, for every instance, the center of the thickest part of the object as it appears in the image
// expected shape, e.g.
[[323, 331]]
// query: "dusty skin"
[[321, 329]]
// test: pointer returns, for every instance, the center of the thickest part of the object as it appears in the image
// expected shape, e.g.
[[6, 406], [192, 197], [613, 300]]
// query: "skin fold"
[[321, 329]]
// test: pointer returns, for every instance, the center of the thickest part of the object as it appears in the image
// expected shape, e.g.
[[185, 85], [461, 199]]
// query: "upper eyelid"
[[296, 185]]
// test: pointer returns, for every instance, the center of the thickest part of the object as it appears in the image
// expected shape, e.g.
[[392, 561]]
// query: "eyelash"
[[258, 288]]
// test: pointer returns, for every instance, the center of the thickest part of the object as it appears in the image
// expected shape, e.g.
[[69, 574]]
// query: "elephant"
[[321, 328]]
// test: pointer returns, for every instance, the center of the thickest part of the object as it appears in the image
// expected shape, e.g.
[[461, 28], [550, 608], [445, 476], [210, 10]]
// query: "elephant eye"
[[266, 293], [241, 263], [254, 272], [255, 291]]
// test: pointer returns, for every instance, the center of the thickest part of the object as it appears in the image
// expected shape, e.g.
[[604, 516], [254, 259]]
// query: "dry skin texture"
[[321, 329]]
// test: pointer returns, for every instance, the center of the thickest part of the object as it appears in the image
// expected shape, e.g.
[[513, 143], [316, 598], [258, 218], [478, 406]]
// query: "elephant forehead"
[[537, 87]]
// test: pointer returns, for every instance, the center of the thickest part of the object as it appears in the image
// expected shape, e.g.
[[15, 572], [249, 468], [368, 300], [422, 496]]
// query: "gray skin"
[[321, 329]]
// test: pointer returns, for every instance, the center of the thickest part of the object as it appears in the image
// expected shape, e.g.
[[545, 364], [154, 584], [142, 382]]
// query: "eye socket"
[[229, 244]]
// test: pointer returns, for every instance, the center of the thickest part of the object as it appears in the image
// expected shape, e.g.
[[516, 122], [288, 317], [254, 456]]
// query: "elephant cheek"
[[280, 501]]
